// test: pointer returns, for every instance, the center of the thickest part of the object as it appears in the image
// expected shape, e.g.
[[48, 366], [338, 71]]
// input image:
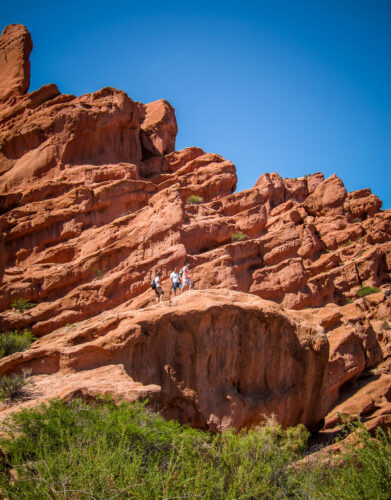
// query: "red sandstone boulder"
[[327, 198], [213, 357], [158, 128]]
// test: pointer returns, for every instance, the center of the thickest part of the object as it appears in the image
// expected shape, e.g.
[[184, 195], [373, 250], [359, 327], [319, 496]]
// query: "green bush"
[[97, 273], [13, 386], [357, 220], [11, 342], [79, 451], [21, 304], [194, 200], [239, 236], [367, 290], [365, 472], [101, 451], [386, 325]]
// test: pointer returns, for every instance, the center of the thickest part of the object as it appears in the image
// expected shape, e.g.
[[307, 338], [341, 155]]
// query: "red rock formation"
[[93, 199], [15, 48]]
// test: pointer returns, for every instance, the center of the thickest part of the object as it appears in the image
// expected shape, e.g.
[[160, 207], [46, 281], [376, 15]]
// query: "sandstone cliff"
[[93, 199]]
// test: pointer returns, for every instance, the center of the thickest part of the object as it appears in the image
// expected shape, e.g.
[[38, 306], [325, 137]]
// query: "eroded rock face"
[[93, 200], [15, 48], [215, 356]]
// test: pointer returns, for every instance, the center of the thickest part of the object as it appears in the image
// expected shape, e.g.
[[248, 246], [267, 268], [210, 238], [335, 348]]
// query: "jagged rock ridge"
[[93, 200]]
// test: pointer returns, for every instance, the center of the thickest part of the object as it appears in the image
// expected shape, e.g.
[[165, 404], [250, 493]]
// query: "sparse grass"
[[347, 243], [357, 220], [367, 290], [239, 236], [22, 304], [360, 253], [13, 386], [11, 342], [194, 200]]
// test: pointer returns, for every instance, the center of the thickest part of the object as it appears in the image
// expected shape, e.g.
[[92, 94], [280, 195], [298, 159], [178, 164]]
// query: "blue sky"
[[291, 86]]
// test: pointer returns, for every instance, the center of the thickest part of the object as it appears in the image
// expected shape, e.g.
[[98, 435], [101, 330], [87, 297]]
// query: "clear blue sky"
[[291, 86]]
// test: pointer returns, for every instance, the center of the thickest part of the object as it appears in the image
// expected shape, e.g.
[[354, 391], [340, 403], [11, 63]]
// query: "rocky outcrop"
[[215, 357], [15, 48], [94, 198]]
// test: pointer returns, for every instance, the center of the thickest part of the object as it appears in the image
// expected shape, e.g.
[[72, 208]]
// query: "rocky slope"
[[93, 199]]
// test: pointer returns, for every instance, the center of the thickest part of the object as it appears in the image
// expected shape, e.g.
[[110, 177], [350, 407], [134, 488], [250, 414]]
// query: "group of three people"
[[180, 279]]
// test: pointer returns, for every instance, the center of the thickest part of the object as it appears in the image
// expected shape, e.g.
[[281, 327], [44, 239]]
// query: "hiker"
[[155, 285], [186, 280], [176, 281]]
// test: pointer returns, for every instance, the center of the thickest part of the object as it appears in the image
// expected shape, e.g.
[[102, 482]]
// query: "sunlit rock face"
[[94, 199]]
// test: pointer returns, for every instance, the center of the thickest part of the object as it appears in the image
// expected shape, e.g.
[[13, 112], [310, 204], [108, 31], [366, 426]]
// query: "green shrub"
[[21, 304], [348, 300], [97, 273], [101, 451], [11, 342], [347, 243], [357, 220], [386, 325], [194, 200], [13, 386], [79, 451], [367, 290], [239, 236], [365, 472]]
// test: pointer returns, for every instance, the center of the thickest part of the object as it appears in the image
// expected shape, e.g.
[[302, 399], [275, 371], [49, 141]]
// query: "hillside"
[[94, 199]]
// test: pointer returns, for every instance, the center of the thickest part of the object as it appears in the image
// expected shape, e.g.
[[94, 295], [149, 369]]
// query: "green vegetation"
[[367, 290], [365, 472], [194, 200], [341, 264], [348, 300], [74, 450], [22, 304], [360, 253], [357, 220], [386, 325], [239, 236], [11, 342], [97, 272], [13, 386], [347, 243]]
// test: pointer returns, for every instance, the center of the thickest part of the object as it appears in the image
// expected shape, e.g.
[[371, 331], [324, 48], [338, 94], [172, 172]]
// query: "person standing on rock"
[[176, 281], [186, 280], [155, 285]]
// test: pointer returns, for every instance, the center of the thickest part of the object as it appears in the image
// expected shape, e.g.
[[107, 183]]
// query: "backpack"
[[153, 285]]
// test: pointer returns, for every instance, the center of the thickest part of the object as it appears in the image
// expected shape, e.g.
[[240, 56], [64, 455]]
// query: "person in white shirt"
[[155, 284], [176, 281], [186, 280]]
